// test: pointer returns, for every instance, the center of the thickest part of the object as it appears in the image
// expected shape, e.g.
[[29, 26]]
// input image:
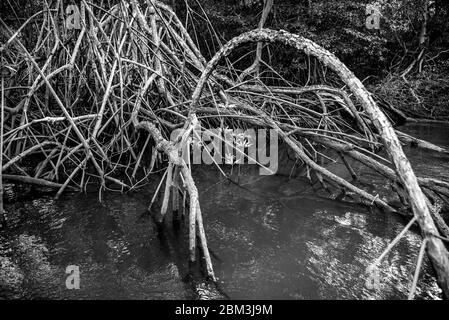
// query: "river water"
[[271, 237]]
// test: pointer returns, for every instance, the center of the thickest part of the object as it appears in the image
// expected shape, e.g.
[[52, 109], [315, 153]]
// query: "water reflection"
[[271, 238], [304, 248]]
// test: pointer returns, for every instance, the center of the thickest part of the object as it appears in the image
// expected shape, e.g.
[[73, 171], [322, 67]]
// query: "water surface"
[[271, 237]]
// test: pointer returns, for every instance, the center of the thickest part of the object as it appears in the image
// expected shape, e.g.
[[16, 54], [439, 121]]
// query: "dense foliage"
[[380, 56]]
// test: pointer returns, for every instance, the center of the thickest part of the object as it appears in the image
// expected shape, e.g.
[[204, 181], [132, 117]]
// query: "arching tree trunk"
[[435, 247]]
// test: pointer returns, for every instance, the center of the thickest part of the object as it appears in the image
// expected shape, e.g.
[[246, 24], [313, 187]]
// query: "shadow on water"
[[270, 237]]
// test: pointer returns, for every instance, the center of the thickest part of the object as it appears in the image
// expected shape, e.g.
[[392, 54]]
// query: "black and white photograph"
[[240, 152]]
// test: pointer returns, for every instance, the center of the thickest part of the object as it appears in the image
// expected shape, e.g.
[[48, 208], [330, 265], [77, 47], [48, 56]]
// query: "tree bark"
[[268, 4], [423, 32]]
